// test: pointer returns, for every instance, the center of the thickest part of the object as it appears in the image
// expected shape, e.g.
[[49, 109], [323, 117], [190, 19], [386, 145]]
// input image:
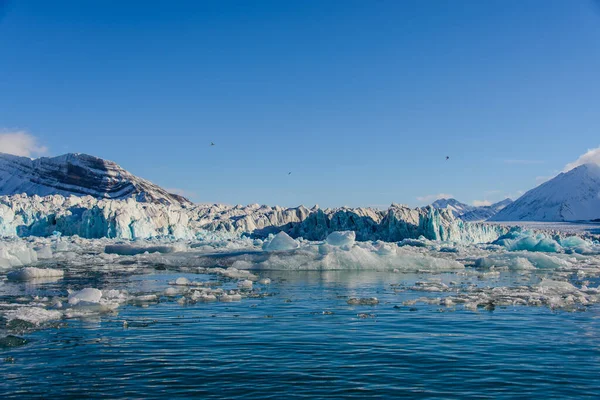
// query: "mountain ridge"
[[570, 196], [78, 174], [471, 213]]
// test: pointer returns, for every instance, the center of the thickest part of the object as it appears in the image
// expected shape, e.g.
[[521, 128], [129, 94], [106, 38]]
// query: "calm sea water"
[[306, 341]]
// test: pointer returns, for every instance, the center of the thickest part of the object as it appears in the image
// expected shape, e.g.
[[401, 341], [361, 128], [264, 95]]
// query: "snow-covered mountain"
[[78, 174], [470, 213], [484, 213], [570, 196], [454, 205]]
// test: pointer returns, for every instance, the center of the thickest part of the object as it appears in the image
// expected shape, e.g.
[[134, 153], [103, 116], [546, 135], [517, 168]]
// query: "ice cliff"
[[88, 217]]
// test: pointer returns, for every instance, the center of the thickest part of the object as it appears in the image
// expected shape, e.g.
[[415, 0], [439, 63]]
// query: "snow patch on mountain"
[[467, 212], [570, 196]]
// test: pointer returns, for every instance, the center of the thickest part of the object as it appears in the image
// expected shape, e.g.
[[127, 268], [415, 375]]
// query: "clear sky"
[[361, 100]]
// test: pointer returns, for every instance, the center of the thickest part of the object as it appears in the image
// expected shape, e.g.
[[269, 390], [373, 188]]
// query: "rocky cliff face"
[[80, 175]]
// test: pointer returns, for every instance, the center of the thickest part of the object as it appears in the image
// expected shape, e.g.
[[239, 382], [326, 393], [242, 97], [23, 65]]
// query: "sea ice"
[[34, 315]]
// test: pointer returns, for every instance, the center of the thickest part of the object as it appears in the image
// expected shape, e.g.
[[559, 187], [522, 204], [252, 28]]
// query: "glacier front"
[[88, 217]]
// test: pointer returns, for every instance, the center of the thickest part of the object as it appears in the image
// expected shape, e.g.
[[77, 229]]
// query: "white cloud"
[[432, 197], [481, 203], [523, 162], [20, 144], [591, 157]]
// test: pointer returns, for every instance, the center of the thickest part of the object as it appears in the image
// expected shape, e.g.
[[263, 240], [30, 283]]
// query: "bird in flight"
[[212, 144], [289, 173], [447, 158]]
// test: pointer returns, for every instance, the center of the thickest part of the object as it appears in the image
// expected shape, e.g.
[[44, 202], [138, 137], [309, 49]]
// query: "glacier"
[[89, 217]]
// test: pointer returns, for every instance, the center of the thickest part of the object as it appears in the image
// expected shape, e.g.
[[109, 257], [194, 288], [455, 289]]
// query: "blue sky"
[[360, 100]]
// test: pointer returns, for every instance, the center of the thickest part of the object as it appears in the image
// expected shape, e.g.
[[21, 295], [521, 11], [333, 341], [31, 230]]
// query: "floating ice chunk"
[[527, 240], [30, 273], [235, 273], [114, 294], [182, 281], [206, 297], [245, 284], [548, 246], [366, 301], [146, 298], [575, 244], [447, 302], [87, 295], [265, 281], [171, 292], [515, 263], [16, 254], [280, 242], [522, 260], [229, 298], [341, 238], [34, 315], [556, 287]]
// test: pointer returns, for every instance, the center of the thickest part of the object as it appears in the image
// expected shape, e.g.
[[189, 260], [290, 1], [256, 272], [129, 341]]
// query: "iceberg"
[[87, 295], [528, 240], [281, 242], [16, 253]]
